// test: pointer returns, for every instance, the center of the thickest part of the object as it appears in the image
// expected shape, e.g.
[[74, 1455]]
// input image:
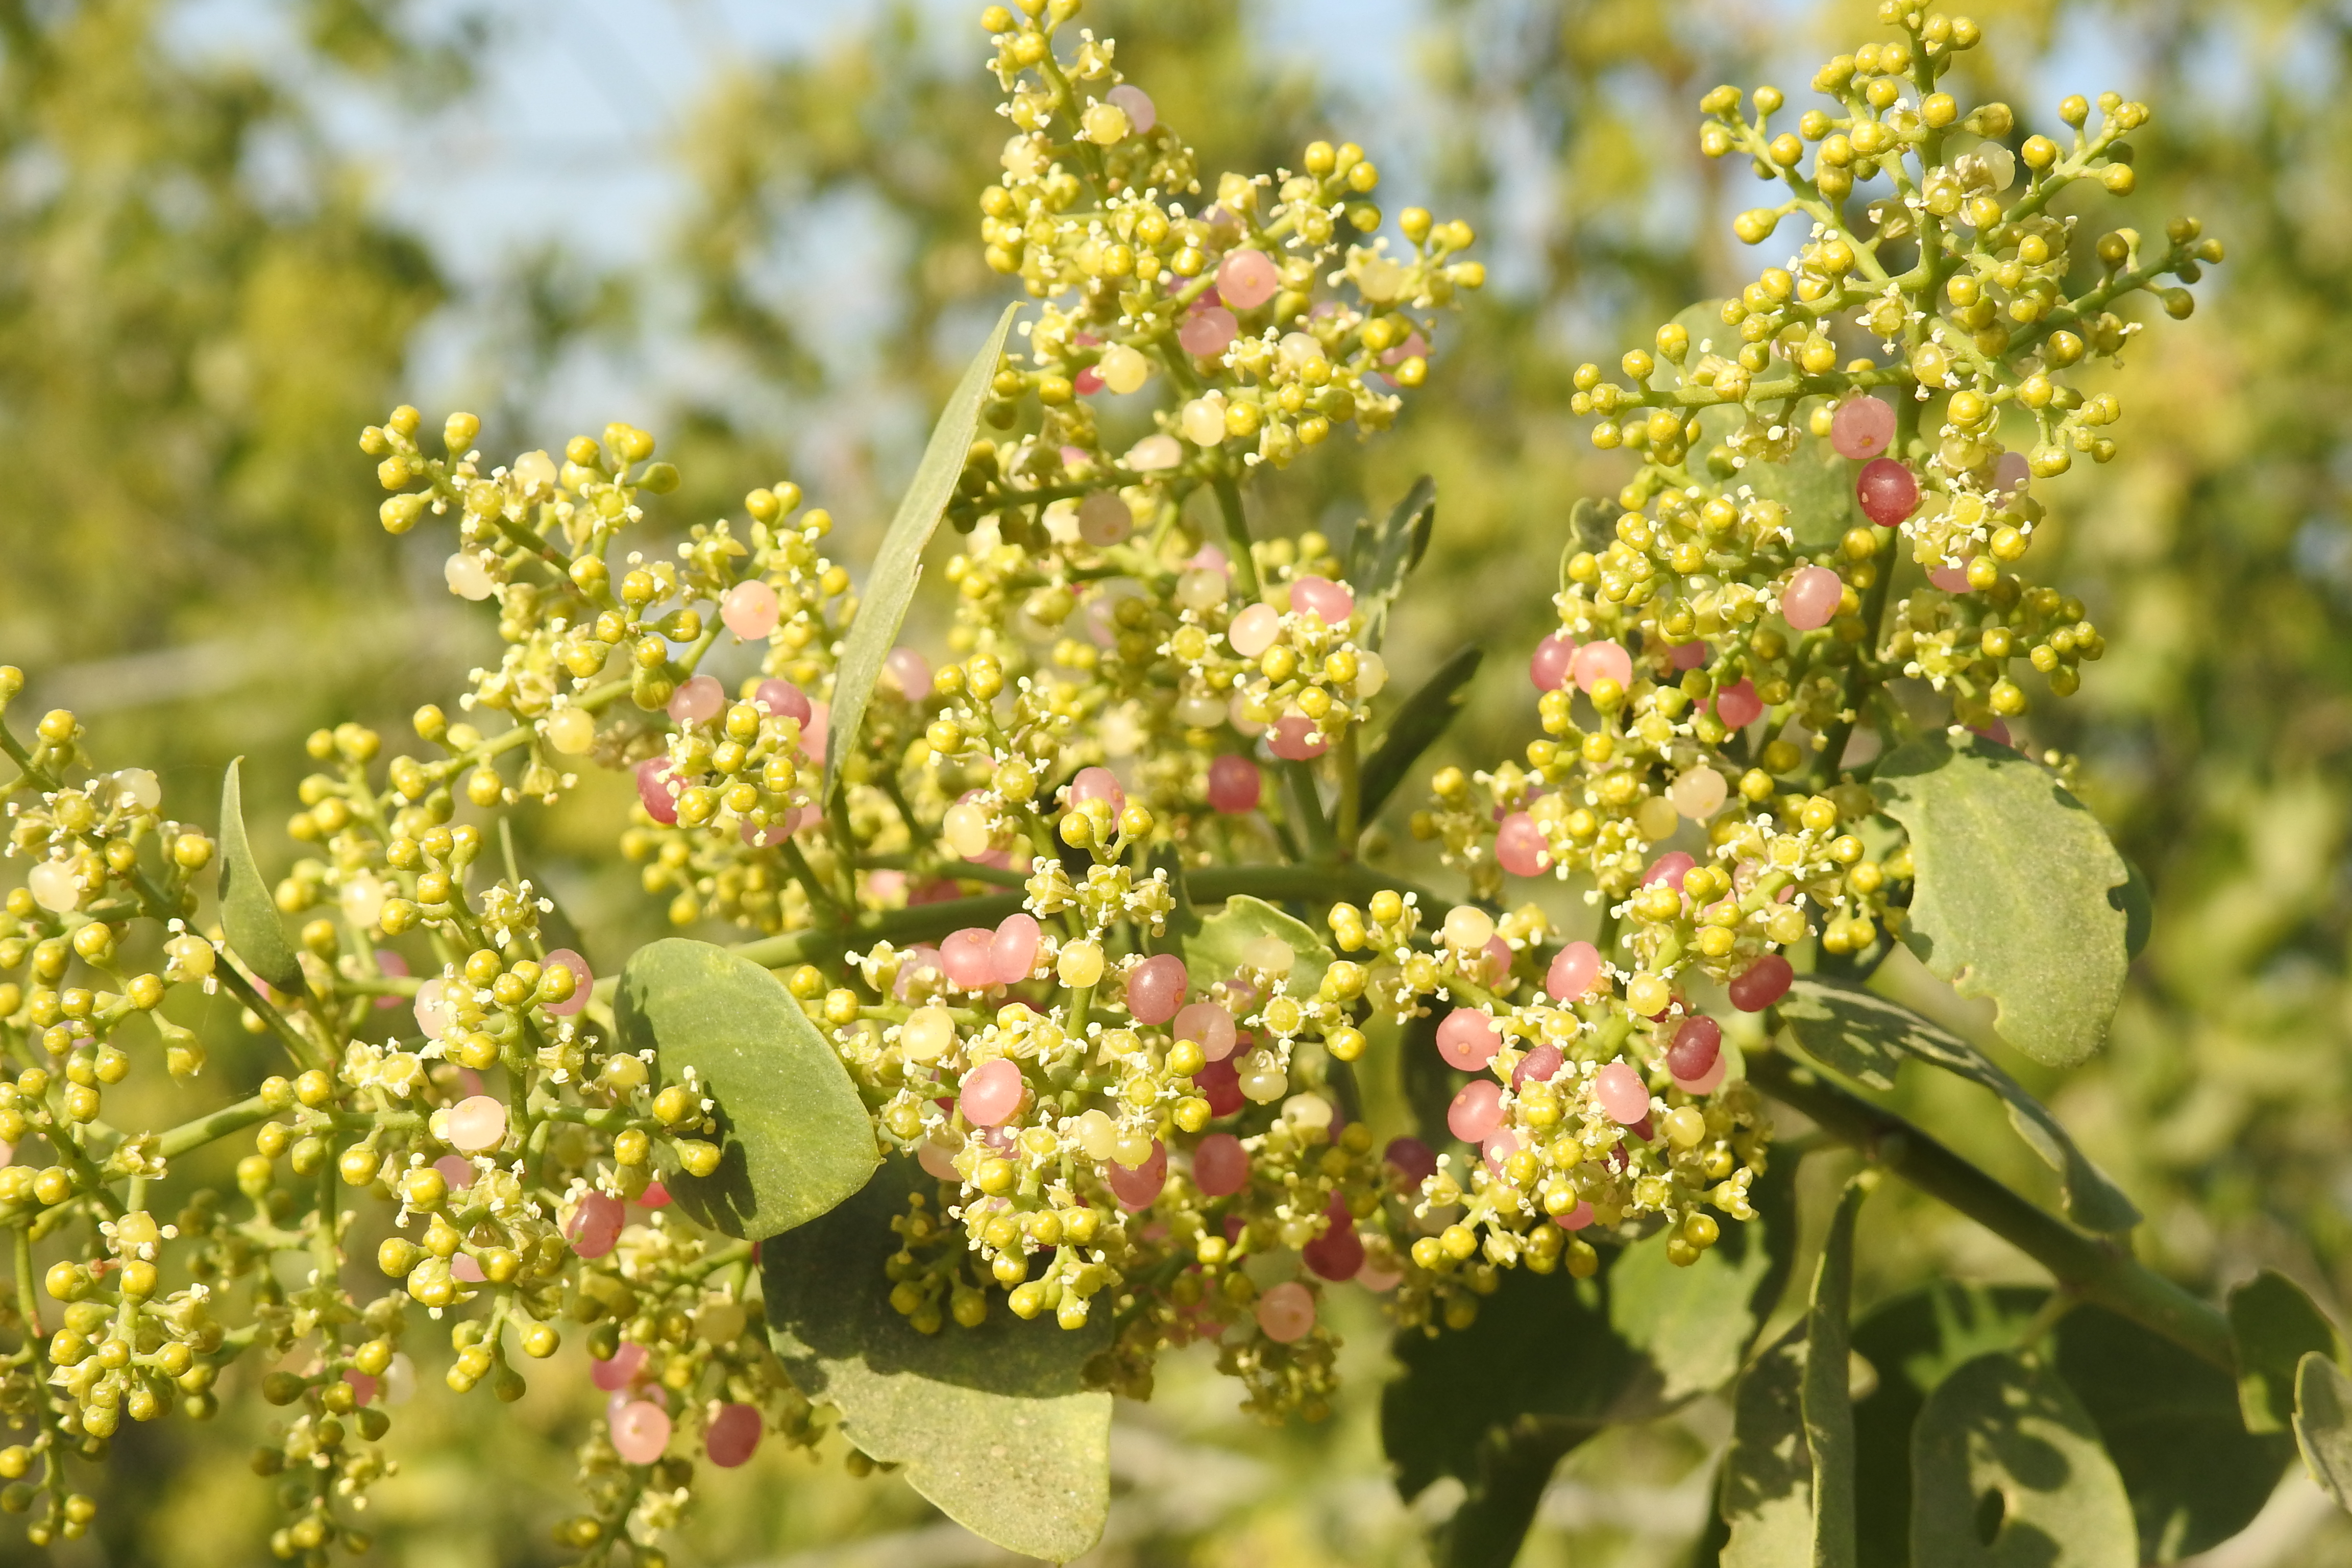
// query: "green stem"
[[1237, 534], [2094, 1270]]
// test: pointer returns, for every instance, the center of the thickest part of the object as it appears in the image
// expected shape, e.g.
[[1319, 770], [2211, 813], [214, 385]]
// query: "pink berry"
[[1296, 739], [364, 1387], [1889, 493], [937, 1163], [655, 1196], [431, 1008], [1763, 983], [1537, 1067], [732, 1436], [1599, 661], [1234, 785], [1136, 104], [1411, 1158], [1220, 1084], [910, 670], [477, 1124], [1811, 598], [1708, 1081], [920, 962], [1497, 959], [1736, 706], [1686, 655], [991, 1093], [640, 1431], [1576, 1218], [1209, 1026], [783, 698], [1286, 1312], [1696, 1046], [616, 1373], [1547, 666], [1338, 1252], [1254, 630], [1096, 784], [1155, 989], [1623, 1097], [1499, 1146], [581, 979], [1414, 346], [1477, 1110], [1669, 868], [595, 1225], [655, 792], [969, 958], [1247, 278], [1208, 332], [1220, 1166], [1467, 1039], [1574, 972], [464, 1270], [1862, 427], [813, 731], [1520, 847], [1139, 1187], [750, 610], [1996, 731], [2012, 473], [699, 700], [1319, 596], [1013, 953], [1951, 579], [1087, 382], [457, 1173]]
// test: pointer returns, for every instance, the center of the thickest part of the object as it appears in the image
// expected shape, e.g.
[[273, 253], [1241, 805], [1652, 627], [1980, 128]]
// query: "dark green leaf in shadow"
[[1379, 559], [795, 1139], [993, 1424], [890, 586], [1217, 949], [2274, 1325], [1827, 1396], [1415, 728], [1866, 1037], [1765, 1496], [2008, 1472], [1696, 1323], [2323, 1426], [2170, 1423], [2138, 902], [248, 909], [2013, 896]]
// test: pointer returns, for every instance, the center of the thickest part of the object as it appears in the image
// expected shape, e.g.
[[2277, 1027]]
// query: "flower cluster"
[[1084, 919]]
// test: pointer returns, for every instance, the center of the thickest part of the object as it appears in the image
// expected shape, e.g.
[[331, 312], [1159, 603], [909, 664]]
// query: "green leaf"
[[993, 1424], [248, 910], [1827, 1398], [2008, 1472], [2138, 902], [2170, 1423], [1766, 1495], [1589, 530], [2323, 1426], [1696, 1323], [1913, 1343], [899, 566], [1867, 1038], [1495, 1404], [1215, 950], [1415, 728], [1817, 487], [796, 1140], [1379, 560], [2014, 894], [2272, 1326]]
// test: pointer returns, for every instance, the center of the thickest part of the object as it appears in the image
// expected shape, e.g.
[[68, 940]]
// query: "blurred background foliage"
[[212, 271]]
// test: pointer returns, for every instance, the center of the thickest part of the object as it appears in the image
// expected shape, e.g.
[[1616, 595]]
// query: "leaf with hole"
[[1867, 1038], [794, 1138], [2272, 1326], [898, 565], [1415, 727], [2008, 1471], [2019, 892], [994, 1424], [248, 909]]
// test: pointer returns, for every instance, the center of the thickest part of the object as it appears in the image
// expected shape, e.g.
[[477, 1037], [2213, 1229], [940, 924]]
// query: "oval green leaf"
[[899, 566], [248, 911], [2323, 1426], [1827, 1397], [2017, 896], [1766, 1495], [1866, 1037], [2008, 1472], [1214, 951], [1696, 1323], [993, 1424], [2272, 1326], [795, 1140]]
